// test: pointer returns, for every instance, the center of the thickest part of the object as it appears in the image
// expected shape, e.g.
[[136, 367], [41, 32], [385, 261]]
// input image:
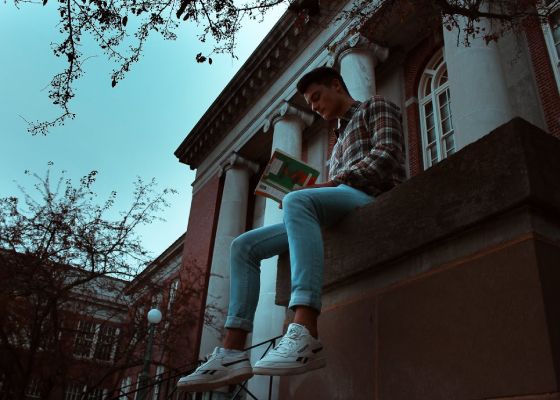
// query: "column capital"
[[285, 110], [235, 160], [359, 42]]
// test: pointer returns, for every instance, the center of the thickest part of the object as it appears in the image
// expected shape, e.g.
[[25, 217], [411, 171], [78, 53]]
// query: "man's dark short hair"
[[321, 76]]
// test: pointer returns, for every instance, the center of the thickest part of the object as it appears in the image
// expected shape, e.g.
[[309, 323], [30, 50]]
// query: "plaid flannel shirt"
[[369, 152]]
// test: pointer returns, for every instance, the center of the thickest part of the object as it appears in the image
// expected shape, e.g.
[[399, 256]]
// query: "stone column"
[[231, 223], [317, 151], [477, 85], [357, 58], [288, 124]]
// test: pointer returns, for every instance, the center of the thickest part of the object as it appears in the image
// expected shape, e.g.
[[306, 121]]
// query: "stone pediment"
[[272, 56]]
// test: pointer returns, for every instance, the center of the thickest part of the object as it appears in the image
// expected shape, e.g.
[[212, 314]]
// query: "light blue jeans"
[[306, 212]]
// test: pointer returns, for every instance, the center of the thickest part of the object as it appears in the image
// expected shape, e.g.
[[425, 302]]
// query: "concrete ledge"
[[516, 166]]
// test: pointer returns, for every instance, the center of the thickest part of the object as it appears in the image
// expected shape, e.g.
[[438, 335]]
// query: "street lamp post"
[[154, 317]]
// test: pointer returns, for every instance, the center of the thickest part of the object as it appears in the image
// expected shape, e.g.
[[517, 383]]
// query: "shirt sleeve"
[[380, 138]]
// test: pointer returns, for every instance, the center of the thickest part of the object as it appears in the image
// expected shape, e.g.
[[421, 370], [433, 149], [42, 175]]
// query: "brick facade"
[[199, 242], [416, 61], [544, 76]]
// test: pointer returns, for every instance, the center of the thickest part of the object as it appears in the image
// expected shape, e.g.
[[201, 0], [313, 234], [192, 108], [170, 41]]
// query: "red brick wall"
[[199, 245], [416, 61], [544, 74], [415, 152]]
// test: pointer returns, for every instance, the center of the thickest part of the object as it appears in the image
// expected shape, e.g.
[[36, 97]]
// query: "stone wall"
[[447, 286]]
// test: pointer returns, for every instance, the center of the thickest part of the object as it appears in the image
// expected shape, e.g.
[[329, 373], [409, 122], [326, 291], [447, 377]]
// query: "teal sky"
[[132, 129]]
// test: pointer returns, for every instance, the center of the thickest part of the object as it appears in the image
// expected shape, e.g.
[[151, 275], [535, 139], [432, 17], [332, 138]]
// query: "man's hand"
[[319, 185], [316, 185]]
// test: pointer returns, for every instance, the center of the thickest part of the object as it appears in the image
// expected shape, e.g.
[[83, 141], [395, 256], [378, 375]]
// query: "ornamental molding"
[[276, 52], [286, 110], [358, 42], [235, 160], [266, 63]]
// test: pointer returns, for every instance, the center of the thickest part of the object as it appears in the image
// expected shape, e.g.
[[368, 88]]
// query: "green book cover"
[[283, 174]]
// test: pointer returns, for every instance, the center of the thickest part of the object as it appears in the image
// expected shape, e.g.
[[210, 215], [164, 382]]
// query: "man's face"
[[326, 101]]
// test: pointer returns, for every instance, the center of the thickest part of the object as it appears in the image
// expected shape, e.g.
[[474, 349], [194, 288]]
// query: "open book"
[[284, 174]]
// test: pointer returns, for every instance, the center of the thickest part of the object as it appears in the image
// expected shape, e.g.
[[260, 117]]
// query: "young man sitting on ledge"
[[367, 161]]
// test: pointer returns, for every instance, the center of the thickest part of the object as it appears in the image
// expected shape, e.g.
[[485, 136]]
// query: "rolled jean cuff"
[[305, 298], [239, 323]]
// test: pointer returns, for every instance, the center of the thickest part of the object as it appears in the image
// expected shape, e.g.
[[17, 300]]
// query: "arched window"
[[438, 135]]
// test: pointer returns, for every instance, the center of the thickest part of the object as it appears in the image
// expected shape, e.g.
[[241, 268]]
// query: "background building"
[[94, 343]]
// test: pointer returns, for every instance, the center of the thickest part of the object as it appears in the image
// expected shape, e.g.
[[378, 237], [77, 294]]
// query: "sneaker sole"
[[233, 379], [286, 371]]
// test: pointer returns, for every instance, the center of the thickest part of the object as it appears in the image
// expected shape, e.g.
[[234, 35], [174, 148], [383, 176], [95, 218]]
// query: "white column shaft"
[[287, 135], [269, 318], [477, 85], [357, 67], [231, 223]]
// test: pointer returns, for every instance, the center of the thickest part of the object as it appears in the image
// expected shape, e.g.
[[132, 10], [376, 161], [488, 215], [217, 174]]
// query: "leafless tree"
[[121, 27], [64, 266]]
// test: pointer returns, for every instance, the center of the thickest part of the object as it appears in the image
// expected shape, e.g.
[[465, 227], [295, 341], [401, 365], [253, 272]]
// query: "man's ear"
[[337, 85]]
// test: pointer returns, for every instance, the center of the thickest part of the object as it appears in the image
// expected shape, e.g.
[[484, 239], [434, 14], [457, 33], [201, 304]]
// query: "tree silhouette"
[[121, 27], [64, 268]]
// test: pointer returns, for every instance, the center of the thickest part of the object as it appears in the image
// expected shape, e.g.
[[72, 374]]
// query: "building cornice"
[[267, 62]]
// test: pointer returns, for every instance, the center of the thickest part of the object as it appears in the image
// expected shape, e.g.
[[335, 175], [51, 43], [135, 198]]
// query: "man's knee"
[[245, 247], [295, 199], [239, 244]]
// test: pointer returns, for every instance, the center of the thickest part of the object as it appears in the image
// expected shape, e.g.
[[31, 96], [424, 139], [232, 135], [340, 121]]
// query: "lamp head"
[[154, 316]]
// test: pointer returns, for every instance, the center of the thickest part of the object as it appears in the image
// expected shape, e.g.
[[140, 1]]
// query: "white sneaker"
[[219, 370], [298, 352]]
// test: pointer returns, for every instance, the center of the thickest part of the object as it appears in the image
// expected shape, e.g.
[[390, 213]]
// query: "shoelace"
[[208, 358], [286, 343]]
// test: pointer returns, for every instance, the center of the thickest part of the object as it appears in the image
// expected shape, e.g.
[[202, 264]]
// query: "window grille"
[[436, 120], [137, 386], [85, 339], [106, 343], [125, 388], [97, 394], [156, 301], [172, 292], [73, 391], [33, 388], [94, 341], [159, 371]]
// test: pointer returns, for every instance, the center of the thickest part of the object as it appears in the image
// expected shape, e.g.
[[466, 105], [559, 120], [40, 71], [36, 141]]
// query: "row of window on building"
[[98, 342], [129, 391], [77, 391], [72, 391]]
